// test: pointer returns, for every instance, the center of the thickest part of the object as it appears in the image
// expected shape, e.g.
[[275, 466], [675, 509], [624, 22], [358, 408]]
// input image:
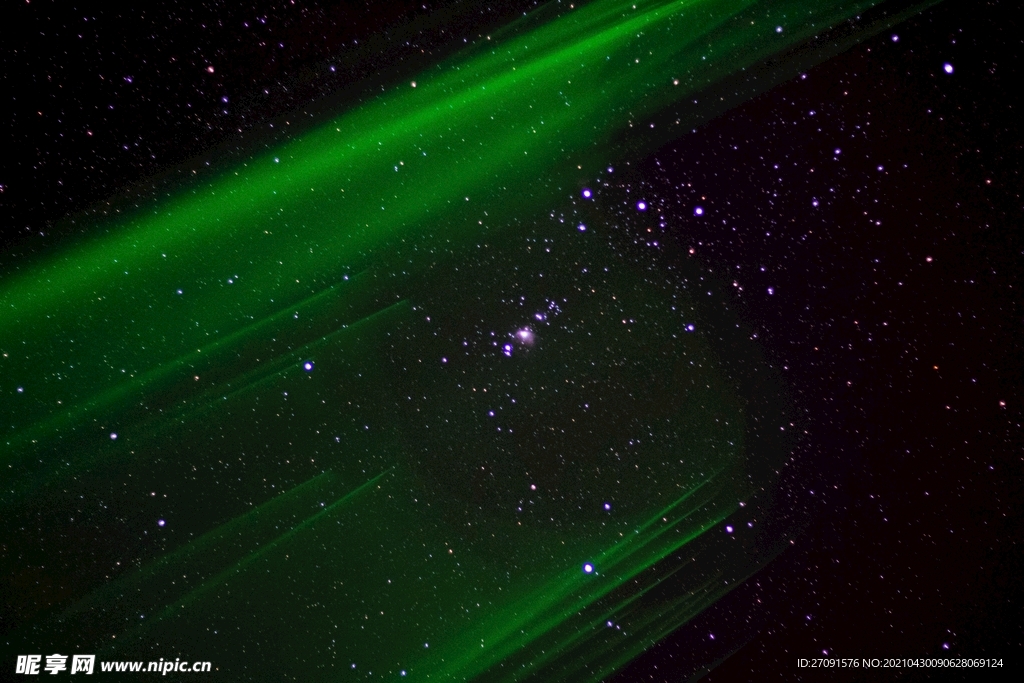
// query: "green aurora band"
[[372, 511]]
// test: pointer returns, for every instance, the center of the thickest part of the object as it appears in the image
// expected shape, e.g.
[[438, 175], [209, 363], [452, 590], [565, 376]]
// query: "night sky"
[[780, 315]]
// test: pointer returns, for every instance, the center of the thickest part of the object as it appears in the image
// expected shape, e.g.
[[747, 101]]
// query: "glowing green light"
[[369, 506]]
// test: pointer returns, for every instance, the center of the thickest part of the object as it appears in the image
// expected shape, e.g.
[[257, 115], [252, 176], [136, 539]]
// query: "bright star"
[[525, 336]]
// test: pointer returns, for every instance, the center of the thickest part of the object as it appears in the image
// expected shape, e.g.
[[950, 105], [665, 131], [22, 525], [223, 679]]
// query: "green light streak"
[[490, 127], [447, 567], [220, 552], [215, 540]]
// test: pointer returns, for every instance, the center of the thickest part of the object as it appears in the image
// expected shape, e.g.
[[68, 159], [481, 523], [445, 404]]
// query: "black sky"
[[894, 268]]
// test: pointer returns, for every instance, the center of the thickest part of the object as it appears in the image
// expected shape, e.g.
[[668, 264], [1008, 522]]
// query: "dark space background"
[[884, 278]]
